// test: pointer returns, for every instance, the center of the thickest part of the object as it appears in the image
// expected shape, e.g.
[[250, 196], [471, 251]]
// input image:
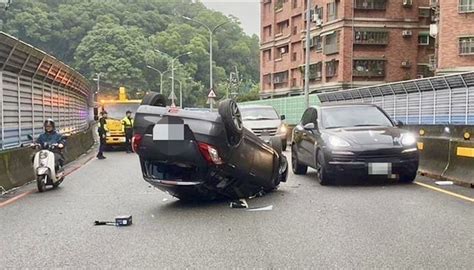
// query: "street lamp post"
[[97, 79], [211, 33], [306, 69], [161, 76], [172, 73]]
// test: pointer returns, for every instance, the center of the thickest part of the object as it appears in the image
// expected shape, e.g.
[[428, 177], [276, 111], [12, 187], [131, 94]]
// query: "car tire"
[[321, 173], [154, 99], [230, 114], [284, 144], [408, 177], [297, 168]]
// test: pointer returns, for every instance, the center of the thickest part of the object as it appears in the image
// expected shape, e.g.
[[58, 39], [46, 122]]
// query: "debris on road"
[[165, 199], [444, 183], [119, 221], [241, 203], [266, 208]]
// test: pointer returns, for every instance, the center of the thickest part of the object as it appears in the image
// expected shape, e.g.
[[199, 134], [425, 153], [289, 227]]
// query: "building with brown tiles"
[[353, 43], [455, 35]]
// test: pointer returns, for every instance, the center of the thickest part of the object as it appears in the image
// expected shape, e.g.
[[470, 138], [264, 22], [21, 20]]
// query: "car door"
[[309, 137], [298, 136]]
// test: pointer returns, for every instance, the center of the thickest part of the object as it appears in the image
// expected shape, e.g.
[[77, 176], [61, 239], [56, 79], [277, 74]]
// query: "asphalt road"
[[310, 226]]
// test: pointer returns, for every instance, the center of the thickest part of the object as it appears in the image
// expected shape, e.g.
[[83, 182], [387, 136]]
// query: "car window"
[[354, 116], [264, 113]]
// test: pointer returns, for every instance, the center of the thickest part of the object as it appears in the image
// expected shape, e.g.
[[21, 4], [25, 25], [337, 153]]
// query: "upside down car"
[[202, 154]]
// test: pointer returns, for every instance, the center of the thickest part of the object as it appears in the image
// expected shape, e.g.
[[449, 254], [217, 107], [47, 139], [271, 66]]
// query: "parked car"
[[203, 154], [353, 140], [264, 121]]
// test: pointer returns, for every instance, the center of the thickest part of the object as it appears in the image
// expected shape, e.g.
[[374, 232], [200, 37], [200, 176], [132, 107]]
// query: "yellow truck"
[[116, 109]]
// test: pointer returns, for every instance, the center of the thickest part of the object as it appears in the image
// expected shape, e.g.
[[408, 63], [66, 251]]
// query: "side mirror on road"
[[282, 117], [309, 126]]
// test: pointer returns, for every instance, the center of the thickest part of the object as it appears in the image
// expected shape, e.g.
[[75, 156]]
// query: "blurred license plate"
[[380, 168], [168, 132]]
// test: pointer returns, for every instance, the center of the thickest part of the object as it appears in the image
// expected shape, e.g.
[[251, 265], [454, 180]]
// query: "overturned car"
[[202, 154]]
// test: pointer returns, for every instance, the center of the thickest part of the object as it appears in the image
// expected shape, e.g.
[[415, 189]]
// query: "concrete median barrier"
[[461, 163], [16, 168]]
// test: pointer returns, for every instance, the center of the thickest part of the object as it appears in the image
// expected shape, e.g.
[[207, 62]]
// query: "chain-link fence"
[[35, 86]]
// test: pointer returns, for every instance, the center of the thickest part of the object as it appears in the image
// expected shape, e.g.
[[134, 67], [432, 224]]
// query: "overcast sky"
[[248, 11]]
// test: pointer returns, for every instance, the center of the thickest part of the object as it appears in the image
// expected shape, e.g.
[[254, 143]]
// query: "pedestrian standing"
[[127, 125], [102, 134]]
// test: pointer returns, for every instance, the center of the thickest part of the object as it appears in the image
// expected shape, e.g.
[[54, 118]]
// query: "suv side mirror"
[[309, 126], [400, 123], [282, 117]]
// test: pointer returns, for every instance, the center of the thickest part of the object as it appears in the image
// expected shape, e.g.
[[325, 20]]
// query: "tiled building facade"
[[353, 43], [455, 35]]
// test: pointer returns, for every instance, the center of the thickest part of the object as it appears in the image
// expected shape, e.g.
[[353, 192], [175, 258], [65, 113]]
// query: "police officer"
[[102, 134], [127, 123]]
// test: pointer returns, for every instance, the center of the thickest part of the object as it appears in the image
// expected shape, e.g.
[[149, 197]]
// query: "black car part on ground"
[[214, 156]]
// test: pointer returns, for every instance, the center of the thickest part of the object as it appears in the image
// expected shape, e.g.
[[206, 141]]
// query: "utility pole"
[[97, 79], [307, 46], [173, 96], [161, 76]]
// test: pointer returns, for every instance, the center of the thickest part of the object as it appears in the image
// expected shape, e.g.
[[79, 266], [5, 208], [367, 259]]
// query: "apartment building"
[[353, 43], [455, 35]]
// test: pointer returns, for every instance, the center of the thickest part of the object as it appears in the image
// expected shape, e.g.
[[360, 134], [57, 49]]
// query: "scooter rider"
[[50, 137]]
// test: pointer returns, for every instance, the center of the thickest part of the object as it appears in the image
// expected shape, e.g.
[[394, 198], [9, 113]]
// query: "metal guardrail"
[[437, 100], [35, 86]]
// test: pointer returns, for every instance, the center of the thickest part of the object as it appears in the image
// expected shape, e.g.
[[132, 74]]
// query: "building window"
[[370, 4], [331, 43], [294, 56], [369, 68], [280, 77], [424, 12], [281, 51], [267, 55], [318, 11], [332, 11], [268, 30], [424, 40], [282, 26], [279, 5], [318, 43], [267, 79], [295, 30], [370, 37], [331, 68], [466, 6], [466, 46], [315, 71]]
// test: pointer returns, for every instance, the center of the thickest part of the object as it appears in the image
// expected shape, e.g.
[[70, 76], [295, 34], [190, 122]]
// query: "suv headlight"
[[338, 142], [282, 129], [408, 139]]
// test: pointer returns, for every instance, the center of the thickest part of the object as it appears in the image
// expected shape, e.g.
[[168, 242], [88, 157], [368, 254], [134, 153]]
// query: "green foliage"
[[119, 38]]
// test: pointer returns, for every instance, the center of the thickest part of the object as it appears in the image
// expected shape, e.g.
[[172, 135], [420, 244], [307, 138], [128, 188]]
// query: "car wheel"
[[297, 168], [284, 144], [408, 177], [323, 177], [230, 113], [154, 99]]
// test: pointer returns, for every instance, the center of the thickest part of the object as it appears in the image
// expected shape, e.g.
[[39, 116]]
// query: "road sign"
[[211, 94]]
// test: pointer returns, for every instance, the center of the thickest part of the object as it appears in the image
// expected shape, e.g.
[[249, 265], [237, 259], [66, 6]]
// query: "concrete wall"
[[16, 168]]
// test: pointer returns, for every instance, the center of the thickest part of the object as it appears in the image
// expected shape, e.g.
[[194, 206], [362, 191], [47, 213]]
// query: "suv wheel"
[[297, 168], [154, 99], [230, 113]]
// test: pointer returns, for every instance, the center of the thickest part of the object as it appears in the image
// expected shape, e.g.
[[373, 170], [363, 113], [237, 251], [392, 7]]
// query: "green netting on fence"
[[291, 107]]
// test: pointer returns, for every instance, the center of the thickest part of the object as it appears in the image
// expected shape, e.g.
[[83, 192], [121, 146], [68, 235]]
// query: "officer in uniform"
[[102, 134], [127, 124]]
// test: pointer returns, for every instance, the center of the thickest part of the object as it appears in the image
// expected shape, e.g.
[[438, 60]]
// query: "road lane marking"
[[445, 192], [12, 200]]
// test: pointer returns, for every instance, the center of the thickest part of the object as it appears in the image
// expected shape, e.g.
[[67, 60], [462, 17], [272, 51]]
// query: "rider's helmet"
[[50, 122]]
